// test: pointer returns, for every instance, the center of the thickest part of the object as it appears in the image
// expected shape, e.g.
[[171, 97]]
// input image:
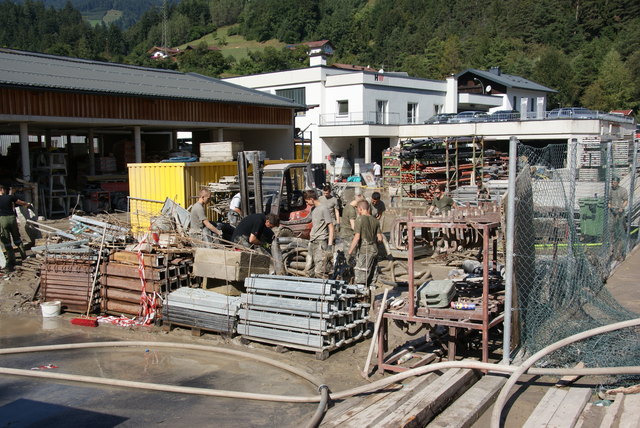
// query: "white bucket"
[[50, 309]]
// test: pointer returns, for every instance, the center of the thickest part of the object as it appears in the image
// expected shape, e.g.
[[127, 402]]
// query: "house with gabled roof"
[[515, 92]]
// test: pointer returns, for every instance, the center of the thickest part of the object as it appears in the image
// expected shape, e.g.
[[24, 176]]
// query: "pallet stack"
[[201, 309], [121, 284], [305, 313], [69, 279]]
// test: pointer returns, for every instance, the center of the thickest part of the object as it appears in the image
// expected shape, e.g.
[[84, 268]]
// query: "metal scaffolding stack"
[[202, 309], [305, 313], [69, 278]]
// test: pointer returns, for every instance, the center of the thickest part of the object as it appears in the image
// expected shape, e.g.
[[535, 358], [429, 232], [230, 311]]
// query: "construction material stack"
[[122, 278], [201, 309], [69, 278], [305, 313]]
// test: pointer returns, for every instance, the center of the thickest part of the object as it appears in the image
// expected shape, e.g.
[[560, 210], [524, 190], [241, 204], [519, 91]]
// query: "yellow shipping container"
[[150, 184]]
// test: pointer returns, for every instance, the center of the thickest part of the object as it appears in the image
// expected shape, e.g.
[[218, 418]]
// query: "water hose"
[[382, 383], [504, 393], [322, 407]]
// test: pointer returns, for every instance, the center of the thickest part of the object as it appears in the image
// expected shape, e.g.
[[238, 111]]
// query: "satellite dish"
[[488, 89]]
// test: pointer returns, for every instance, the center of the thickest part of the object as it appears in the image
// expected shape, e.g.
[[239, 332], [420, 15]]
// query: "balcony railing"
[[360, 118], [393, 118]]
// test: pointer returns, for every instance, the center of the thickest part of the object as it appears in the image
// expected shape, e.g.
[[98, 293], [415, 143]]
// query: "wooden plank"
[[546, 408], [129, 257], [585, 417], [630, 416], [423, 406], [389, 403], [570, 409], [612, 416], [567, 380], [471, 405], [339, 414]]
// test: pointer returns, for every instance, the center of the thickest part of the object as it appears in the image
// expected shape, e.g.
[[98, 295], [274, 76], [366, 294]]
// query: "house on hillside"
[[159, 52], [515, 92]]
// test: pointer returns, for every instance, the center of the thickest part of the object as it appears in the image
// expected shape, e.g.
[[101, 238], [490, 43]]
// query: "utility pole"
[[165, 27]]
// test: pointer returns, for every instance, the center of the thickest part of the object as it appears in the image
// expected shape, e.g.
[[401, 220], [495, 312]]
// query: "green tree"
[[613, 89], [553, 69], [204, 61]]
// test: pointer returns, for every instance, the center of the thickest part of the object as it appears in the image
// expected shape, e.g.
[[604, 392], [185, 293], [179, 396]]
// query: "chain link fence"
[[575, 218]]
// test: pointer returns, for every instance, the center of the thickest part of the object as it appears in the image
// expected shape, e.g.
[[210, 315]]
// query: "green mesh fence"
[[570, 231]]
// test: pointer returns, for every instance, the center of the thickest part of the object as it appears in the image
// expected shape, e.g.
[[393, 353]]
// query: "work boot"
[[23, 253]]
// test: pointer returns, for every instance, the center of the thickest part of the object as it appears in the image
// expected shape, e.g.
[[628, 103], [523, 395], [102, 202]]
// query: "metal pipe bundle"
[[204, 309], [307, 313]]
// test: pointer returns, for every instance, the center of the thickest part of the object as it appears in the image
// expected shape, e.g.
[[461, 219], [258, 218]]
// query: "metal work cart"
[[485, 316]]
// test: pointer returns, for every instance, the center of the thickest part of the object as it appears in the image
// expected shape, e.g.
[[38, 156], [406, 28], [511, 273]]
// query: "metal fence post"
[[573, 158], [606, 229], [511, 221], [632, 188]]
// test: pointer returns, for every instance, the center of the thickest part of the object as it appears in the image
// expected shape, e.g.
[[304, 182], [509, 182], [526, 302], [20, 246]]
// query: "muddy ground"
[[21, 324]]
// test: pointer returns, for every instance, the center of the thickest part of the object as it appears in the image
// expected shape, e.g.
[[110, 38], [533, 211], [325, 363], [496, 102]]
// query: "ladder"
[[53, 178]]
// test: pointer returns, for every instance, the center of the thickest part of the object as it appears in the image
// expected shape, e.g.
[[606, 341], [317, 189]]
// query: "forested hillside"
[[128, 12], [589, 50]]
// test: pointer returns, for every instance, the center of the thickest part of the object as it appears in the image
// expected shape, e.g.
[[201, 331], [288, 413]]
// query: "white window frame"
[[382, 112], [412, 113]]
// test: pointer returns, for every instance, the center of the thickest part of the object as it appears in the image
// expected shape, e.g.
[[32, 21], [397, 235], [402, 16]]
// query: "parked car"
[[504, 115], [439, 118], [469, 116], [572, 112]]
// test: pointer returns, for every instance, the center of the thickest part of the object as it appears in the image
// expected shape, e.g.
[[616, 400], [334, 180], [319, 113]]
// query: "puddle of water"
[[160, 365]]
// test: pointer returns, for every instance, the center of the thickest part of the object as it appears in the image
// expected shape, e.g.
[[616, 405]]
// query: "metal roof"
[[35, 70], [508, 80]]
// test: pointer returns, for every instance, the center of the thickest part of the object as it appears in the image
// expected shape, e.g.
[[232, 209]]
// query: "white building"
[[357, 112]]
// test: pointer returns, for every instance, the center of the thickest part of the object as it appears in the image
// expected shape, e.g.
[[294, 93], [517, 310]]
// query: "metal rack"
[[487, 315]]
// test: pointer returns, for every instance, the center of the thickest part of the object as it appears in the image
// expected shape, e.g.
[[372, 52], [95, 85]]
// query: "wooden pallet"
[[414, 404], [574, 407], [321, 353], [167, 326]]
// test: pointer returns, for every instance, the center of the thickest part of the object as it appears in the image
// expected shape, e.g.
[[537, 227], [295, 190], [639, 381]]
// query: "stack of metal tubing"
[[208, 310], [307, 313]]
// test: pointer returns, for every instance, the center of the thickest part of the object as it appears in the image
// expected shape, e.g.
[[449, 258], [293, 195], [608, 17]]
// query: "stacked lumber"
[[121, 280], [306, 313], [69, 279], [202, 309]]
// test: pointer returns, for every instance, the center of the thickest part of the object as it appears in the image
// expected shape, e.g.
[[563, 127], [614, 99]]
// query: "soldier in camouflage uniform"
[[348, 221], [367, 234], [618, 200], [322, 234]]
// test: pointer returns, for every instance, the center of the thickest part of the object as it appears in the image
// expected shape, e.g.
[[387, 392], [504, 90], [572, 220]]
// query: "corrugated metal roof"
[[509, 80], [27, 69]]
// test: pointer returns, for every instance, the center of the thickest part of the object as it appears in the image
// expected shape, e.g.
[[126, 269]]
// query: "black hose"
[[322, 407]]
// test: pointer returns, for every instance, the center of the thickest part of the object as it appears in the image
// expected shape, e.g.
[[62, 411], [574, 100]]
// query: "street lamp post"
[[475, 79]]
